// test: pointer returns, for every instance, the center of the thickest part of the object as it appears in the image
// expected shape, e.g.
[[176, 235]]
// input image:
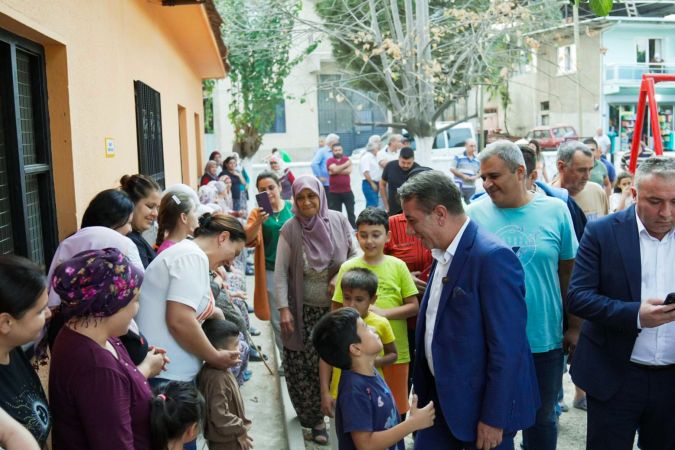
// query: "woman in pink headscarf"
[[311, 248]]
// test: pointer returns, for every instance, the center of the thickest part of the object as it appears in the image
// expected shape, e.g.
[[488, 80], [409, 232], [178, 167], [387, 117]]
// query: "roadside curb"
[[294, 436]]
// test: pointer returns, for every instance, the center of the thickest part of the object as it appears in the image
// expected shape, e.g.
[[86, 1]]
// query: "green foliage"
[[207, 95], [599, 7], [259, 35]]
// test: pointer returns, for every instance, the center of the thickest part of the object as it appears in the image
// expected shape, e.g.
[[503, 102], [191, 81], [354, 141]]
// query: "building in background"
[[613, 53], [90, 91]]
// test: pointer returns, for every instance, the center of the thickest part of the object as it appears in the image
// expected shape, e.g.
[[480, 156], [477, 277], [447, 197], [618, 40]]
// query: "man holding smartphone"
[[625, 358]]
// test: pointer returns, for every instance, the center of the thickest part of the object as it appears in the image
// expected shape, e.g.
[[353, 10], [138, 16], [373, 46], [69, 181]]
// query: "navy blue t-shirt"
[[364, 404]]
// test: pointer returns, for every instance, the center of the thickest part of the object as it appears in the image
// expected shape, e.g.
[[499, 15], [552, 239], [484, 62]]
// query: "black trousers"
[[643, 404], [336, 200]]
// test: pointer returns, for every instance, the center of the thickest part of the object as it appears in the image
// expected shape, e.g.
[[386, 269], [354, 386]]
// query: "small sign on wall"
[[109, 147]]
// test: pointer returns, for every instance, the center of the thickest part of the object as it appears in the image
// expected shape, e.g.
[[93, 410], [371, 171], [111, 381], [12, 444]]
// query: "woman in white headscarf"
[[286, 177]]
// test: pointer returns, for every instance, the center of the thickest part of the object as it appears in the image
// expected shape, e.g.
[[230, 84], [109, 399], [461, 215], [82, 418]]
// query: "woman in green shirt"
[[262, 232]]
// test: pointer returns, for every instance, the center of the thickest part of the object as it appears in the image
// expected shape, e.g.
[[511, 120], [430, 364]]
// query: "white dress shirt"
[[444, 259], [369, 164], [656, 346]]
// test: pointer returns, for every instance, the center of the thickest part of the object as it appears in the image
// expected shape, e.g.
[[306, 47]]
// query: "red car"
[[551, 136]]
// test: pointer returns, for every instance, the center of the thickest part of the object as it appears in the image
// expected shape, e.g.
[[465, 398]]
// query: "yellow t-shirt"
[[394, 284], [383, 330]]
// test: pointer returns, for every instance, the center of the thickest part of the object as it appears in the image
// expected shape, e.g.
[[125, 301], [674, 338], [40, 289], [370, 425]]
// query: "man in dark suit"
[[473, 358], [625, 358]]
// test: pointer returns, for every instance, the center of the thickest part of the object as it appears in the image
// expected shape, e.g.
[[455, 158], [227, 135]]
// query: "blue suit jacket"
[[482, 359], [605, 290]]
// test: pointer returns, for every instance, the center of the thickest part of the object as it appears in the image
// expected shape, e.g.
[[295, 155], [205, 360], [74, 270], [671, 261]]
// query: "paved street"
[[264, 406]]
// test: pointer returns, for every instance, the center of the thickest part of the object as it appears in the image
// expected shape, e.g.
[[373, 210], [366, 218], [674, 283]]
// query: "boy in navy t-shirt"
[[366, 415]]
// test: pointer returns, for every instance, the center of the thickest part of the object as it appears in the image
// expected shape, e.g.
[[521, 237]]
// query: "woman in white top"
[[176, 297]]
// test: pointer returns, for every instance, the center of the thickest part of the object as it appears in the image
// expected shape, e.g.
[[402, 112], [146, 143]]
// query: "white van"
[[447, 144], [450, 143]]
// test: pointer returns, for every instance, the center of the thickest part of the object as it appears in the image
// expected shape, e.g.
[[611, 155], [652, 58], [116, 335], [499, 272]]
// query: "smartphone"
[[264, 202], [670, 299]]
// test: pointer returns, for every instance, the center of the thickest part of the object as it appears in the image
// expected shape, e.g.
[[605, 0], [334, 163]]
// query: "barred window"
[[149, 132], [27, 211]]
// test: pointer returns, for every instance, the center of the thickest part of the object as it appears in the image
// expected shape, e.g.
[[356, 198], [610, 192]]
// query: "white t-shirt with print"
[[178, 274]]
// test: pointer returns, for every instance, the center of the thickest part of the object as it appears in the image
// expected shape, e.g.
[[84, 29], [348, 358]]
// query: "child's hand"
[[422, 417], [327, 405], [378, 311], [246, 442]]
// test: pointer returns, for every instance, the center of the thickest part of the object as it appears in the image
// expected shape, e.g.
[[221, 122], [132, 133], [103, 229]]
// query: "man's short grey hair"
[[432, 188], [396, 137], [470, 141], [567, 150], [332, 139], [507, 151], [659, 166], [375, 141]]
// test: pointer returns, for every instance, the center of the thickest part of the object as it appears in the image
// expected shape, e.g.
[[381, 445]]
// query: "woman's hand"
[[155, 361], [327, 405], [286, 321], [225, 359], [260, 218]]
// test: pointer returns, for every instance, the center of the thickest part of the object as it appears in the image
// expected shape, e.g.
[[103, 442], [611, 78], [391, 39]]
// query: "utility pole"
[[577, 73]]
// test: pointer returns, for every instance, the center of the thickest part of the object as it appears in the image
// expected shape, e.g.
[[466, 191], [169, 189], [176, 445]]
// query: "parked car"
[[550, 137]]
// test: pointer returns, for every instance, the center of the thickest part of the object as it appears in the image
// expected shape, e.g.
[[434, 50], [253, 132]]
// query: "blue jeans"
[[372, 196], [543, 435]]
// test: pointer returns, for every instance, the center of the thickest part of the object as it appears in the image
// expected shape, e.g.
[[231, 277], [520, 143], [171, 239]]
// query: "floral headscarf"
[[95, 283]]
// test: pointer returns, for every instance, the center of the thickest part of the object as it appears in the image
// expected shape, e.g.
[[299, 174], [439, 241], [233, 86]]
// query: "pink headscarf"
[[316, 236]]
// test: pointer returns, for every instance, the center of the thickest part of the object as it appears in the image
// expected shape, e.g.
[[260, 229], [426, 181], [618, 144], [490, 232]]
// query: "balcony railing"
[[633, 72]]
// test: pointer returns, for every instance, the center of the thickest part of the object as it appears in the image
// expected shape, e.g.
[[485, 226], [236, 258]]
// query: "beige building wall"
[[94, 51], [560, 90]]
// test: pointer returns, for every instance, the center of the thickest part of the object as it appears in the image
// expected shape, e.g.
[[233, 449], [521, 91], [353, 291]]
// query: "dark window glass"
[[279, 123]]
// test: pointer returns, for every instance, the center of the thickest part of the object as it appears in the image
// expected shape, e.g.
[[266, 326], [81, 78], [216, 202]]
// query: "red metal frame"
[[647, 93]]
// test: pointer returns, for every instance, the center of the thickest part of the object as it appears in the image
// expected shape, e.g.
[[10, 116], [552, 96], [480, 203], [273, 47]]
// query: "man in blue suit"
[[625, 357], [473, 358]]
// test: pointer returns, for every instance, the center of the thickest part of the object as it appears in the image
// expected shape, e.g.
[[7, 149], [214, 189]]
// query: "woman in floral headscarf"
[[303, 276], [99, 398]]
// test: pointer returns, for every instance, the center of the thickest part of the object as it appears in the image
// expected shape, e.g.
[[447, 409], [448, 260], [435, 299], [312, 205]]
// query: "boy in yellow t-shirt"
[[359, 291], [396, 294]]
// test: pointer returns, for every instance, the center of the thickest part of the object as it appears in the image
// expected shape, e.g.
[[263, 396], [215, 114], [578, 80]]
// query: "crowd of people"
[[437, 309]]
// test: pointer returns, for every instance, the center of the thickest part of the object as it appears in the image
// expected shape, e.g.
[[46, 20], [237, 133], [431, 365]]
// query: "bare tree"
[[420, 57]]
